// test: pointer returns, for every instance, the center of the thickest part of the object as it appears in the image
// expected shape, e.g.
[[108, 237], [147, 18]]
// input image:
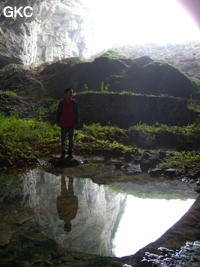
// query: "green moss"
[[194, 80], [159, 135], [7, 92], [182, 160], [132, 93], [194, 105], [10, 178], [113, 53], [94, 92], [74, 61], [181, 130], [157, 64]]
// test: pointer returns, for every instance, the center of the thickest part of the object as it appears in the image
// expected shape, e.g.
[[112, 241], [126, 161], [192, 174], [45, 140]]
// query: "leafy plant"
[[181, 160], [96, 136], [25, 137]]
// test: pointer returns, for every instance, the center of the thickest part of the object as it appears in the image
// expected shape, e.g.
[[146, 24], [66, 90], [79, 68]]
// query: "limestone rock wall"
[[57, 29], [127, 110]]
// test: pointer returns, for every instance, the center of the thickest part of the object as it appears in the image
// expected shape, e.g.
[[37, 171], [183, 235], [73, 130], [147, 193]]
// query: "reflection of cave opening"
[[144, 221], [107, 222]]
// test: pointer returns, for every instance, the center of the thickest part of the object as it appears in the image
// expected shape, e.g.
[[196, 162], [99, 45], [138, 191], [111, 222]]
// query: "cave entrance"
[[130, 22]]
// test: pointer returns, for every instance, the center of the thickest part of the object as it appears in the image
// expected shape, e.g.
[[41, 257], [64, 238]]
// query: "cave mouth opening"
[[130, 22], [83, 28]]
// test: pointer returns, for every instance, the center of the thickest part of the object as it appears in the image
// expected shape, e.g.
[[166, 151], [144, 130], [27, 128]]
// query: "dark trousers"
[[64, 131]]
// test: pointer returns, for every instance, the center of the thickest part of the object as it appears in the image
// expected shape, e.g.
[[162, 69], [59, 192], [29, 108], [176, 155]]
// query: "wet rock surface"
[[188, 255], [7, 164], [65, 162]]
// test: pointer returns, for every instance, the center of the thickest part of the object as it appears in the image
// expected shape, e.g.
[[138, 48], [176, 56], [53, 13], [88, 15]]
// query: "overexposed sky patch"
[[122, 22]]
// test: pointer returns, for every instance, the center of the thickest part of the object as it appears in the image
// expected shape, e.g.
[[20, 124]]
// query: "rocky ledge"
[[188, 255]]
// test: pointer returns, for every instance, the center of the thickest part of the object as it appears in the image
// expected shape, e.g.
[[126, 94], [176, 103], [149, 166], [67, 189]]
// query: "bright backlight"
[[117, 22], [145, 220]]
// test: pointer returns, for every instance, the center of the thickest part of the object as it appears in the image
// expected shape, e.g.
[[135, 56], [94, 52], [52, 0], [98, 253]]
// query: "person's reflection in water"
[[67, 203]]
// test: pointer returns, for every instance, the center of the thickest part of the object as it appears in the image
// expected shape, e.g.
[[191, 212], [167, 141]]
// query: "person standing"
[[67, 118]]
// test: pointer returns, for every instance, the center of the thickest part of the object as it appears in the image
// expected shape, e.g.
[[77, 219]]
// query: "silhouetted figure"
[[67, 117], [67, 203]]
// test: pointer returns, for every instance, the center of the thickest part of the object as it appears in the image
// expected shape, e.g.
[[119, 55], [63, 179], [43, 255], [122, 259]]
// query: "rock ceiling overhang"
[[193, 7]]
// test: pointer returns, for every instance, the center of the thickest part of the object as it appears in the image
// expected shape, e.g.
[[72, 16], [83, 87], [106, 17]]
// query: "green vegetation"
[[194, 105], [124, 93], [182, 160], [28, 138], [104, 87], [24, 138], [97, 137], [194, 80], [113, 53], [48, 109], [105, 132], [157, 64], [74, 61], [179, 130], [7, 92], [158, 135], [10, 178]]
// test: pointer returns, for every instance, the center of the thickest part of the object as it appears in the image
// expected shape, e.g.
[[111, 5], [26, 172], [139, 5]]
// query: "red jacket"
[[60, 110]]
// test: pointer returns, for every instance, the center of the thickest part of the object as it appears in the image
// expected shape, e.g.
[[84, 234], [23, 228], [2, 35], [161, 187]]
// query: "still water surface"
[[110, 220]]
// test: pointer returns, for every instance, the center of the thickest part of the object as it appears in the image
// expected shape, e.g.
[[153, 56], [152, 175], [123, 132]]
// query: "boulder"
[[155, 172], [118, 165], [187, 180], [131, 169], [197, 189], [170, 172], [5, 162], [149, 160], [66, 162], [146, 164]]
